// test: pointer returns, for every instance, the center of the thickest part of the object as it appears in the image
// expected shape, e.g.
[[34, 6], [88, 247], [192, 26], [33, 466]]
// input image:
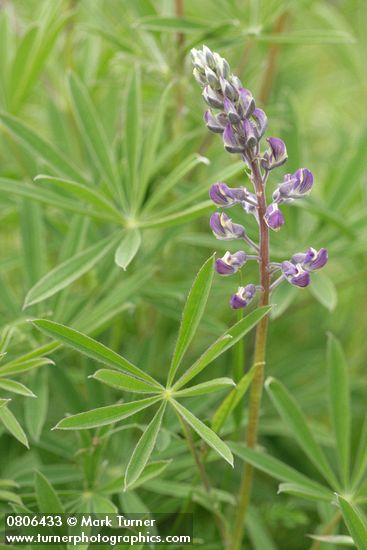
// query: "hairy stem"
[[259, 360]]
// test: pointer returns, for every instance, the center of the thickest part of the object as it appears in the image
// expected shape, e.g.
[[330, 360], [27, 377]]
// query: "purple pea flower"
[[295, 274], [224, 229], [225, 196], [246, 102], [212, 98], [294, 186], [312, 260], [275, 155], [261, 122], [230, 263], [231, 111], [273, 217], [214, 123], [243, 296]]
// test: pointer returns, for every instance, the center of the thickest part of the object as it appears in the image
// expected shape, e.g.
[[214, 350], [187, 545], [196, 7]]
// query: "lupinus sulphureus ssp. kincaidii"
[[234, 116]]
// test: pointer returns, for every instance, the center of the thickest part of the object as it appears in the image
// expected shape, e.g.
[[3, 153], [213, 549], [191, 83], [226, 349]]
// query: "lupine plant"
[[234, 115]]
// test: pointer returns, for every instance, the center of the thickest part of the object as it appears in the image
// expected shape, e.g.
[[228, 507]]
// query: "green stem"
[[259, 361], [204, 478]]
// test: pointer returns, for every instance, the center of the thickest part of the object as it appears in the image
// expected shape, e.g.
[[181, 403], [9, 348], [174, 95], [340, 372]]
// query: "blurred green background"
[[305, 62]]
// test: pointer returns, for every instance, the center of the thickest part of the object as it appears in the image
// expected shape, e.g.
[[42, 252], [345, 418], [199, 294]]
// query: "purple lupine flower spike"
[[273, 217], [275, 155], [230, 263], [243, 296], [295, 274], [224, 229]]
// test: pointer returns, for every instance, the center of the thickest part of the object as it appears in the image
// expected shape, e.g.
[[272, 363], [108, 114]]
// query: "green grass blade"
[[338, 380], [104, 415], [89, 347], [204, 432], [296, 423], [192, 314], [144, 448]]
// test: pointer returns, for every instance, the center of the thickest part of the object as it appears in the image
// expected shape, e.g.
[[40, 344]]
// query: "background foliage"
[[100, 93]]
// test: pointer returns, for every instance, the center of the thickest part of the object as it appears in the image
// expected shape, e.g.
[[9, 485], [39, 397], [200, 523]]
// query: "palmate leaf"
[[91, 348], [144, 448], [222, 344], [296, 422], [204, 432], [180, 216], [124, 382], [192, 314], [104, 415], [69, 271], [355, 522], [338, 380]]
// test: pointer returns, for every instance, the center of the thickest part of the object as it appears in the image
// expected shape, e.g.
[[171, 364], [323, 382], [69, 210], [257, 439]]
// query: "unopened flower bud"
[[248, 134], [212, 98], [243, 296], [199, 77], [222, 66], [276, 154], [224, 229], [246, 102], [295, 274], [261, 122], [213, 123], [231, 142], [231, 111], [230, 263], [212, 78], [273, 217], [228, 90], [209, 57]]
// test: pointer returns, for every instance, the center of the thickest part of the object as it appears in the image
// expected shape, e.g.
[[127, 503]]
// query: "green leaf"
[[151, 471], [258, 531], [132, 128], [226, 408], [144, 448], [13, 426], [204, 432], [47, 498], [23, 365], [128, 248], [217, 384], [3, 402], [342, 540], [37, 145], [301, 491], [92, 131], [104, 415], [278, 470], [35, 411], [338, 380], [173, 24], [68, 272], [324, 290], [178, 217], [175, 177], [360, 463], [293, 418], [89, 347], [123, 382], [355, 522], [82, 192], [223, 343], [15, 387], [281, 298], [50, 198], [192, 314]]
